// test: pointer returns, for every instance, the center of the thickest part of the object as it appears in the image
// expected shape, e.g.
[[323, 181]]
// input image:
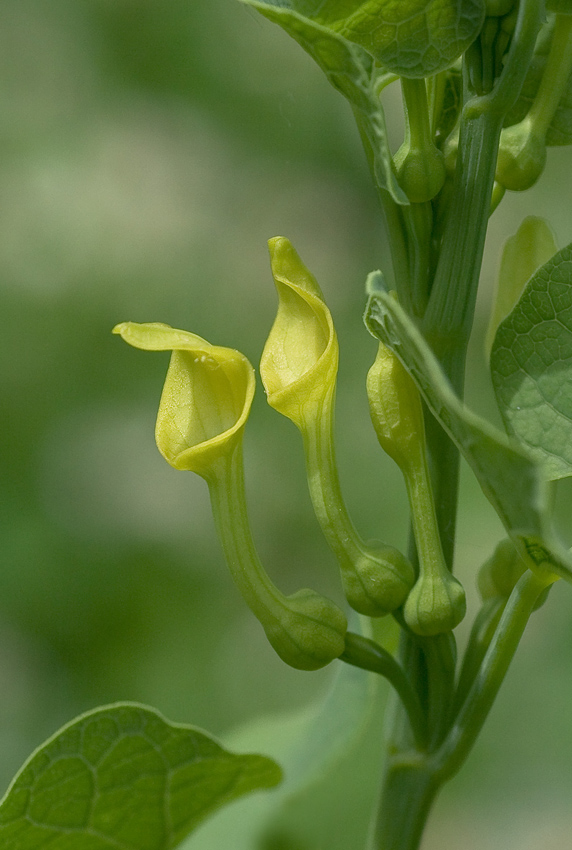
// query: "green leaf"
[[532, 245], [531, 366], [349, 68], [560, 129], [508, 475], [451, 103], [413, 38], [123, 778]]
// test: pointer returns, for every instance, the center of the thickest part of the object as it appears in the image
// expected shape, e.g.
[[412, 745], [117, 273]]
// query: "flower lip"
[[206, 398], [300, 358]]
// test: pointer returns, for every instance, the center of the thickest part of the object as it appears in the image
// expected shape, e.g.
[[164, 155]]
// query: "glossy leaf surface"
[[123, 777], [531, 366], [412, 38], [506, 472]]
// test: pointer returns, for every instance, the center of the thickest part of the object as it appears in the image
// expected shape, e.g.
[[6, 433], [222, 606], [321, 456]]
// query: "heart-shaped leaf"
[[412, 38], [531, 366], [123, 777]]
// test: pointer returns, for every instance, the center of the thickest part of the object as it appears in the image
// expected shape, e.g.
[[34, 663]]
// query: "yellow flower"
[[300, 359], [205, 404], [206, 398], [298, 368]]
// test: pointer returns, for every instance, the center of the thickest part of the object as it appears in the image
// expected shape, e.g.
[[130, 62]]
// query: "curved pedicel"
[[205, 403], [298, 368]]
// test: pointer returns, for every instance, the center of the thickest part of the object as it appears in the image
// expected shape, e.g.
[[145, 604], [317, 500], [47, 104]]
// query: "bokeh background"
[[147, 152]]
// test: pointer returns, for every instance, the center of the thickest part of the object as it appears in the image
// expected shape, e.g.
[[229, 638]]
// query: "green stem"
[[409, 789], [375, 580], [424, 520], [325, 489], [448, 320], [228, 499], [392, 216], [418, 221], [410, 784], [436, 86], [440, 656], [482, 632], [479, 700], [416, 113], [369, 655], [449, 317], [306, 629]]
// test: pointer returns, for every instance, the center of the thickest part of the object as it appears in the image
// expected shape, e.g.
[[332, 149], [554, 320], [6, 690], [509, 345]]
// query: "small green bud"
[[418, 162], [436, 604], [310, 632], [522, 156], [499, 574], [379, 582], [450, 152], [420, 171]]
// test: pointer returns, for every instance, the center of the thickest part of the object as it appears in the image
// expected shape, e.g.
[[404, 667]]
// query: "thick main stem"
[[408, 793], [448, 321], [411, 782]]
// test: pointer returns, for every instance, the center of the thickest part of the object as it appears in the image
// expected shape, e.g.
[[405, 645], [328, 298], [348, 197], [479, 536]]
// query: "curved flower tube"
[[436, 603], [203, 410], [206, 398], [298, 368]]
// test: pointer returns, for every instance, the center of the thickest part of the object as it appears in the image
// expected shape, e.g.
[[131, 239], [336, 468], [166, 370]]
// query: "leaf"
[[531, 366], [507, 473], [560, 130], [451, 103], [123, 778], [350, 70], [413, 38], [330, 752], [531, 246]]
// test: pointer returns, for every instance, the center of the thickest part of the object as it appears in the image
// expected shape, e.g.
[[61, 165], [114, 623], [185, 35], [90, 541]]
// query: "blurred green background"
[[148, 151]]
